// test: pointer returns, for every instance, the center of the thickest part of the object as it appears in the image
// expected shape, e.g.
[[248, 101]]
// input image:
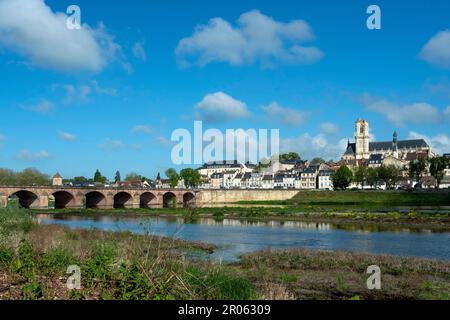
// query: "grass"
[[376, 198], [34, 260], [363, 199], [120, 265], [306, 274]]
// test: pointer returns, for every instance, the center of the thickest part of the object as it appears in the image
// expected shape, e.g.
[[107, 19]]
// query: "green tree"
[[117, 178], [133, 176], [342, 178], [191, 177], [417, 168], [390, 175], [290, 156], [173, 177], [31, 176], [360, 175], [7, 177], [437, 168], [372, 177], [99, 178], [316, 161]]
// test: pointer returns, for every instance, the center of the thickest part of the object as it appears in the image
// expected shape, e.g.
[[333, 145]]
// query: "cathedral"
[[395, 152]]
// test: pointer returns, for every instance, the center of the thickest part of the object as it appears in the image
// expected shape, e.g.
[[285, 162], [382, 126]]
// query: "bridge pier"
[[3, 201], [40, 203], [135, 202]]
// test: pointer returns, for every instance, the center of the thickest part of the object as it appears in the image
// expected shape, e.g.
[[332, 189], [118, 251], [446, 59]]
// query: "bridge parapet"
[[108, 198], [37, 197]]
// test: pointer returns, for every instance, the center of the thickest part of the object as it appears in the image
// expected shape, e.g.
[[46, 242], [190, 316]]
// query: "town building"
[[57, 180], [325, 181], [445, 183], [267, 182], [396, 152], [210, 168], [217, 180], [308, 178]]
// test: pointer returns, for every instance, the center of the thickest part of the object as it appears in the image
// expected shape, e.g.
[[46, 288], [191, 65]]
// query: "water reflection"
[[235, 237]]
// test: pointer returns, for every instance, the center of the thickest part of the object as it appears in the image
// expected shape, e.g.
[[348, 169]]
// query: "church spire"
[[394, 144]]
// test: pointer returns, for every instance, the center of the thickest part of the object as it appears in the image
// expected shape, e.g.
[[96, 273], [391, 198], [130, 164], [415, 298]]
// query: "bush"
[[32, 291], [218, 285], [56, 260]]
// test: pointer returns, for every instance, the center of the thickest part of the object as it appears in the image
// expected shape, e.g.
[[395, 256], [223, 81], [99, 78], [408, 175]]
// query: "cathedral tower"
[[395, 144], [362, 139]]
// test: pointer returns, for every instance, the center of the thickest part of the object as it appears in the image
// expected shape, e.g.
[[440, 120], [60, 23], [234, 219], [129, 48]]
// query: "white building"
[[267, 182], [208, 169], [308, 178], [324, 181]]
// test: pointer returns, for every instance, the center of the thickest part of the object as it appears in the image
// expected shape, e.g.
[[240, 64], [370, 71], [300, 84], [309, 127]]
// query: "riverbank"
[[433, 219], [371, 209], [120, 265]]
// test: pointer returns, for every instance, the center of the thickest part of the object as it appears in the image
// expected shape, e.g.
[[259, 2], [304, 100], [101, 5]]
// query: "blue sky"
[[108, 96]]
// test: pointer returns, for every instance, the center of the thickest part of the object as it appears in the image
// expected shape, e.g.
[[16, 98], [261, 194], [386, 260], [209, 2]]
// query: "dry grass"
[[310, 274]]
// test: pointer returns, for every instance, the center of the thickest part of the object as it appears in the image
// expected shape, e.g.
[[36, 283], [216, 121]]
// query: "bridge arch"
[[95, 199], [63, 199], [188, 200], [26, 198], [169, 200], [122, 200], [147, 200]]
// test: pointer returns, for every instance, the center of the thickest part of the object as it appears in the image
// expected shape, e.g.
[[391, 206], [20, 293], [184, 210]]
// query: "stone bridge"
[[108, 198], [103, 198]]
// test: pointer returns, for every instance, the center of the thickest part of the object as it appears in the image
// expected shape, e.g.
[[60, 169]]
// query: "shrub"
[[218, 285], [56, 259], [32, 291]]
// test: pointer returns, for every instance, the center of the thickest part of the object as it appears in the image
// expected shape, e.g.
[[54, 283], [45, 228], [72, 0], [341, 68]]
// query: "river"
[[235, 237]]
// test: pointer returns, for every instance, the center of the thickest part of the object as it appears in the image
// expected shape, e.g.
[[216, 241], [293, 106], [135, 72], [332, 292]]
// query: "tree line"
[[389, 175], [32, 176], [190, 177], [29, 176]]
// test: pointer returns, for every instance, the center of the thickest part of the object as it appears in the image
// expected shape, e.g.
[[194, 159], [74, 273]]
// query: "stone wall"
[[214, 197]]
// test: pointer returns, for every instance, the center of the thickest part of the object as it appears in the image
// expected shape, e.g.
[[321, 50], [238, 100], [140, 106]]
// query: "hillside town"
[[362, 157], [317, 174]]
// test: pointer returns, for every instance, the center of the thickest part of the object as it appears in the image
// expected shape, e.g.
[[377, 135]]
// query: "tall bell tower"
[[362, 139]]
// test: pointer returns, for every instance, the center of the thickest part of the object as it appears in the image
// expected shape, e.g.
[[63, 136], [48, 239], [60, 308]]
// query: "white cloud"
[[443, 88], [26, 155], [329, 128], [219, 106], [142, 129], [447, 113], [437, 50], [67, 136], [81, 93], [44, 106], [288, 116], [440, 143], [255, 38], [164, 141], [101, 90], [139, 51], [32, 29], [309, 146], [112, 145], [418, 113]]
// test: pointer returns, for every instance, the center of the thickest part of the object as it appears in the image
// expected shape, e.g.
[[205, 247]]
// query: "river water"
[[235, 237]]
